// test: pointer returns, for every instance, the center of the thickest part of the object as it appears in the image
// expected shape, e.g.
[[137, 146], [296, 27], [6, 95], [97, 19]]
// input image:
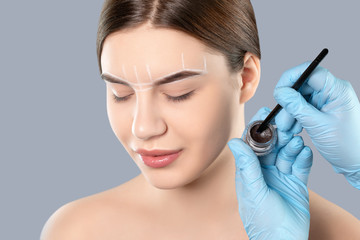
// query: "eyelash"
[[121, 99], [169, 98]]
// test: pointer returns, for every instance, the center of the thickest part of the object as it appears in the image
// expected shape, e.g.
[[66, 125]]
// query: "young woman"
[[178, 74]]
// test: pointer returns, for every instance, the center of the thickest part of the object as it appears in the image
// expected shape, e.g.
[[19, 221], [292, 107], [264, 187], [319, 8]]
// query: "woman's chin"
[[168, 181]]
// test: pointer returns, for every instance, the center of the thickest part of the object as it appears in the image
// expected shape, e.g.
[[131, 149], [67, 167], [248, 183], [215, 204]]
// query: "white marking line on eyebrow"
[[124, 72], [182, 60], [137, 77], [143, 90], [149, 73], [205, 65]]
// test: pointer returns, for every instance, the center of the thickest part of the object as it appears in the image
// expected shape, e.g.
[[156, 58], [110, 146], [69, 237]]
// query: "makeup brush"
[[302, 79]]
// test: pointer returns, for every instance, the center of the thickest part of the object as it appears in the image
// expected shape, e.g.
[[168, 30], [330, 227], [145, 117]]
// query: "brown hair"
[[228, 26]]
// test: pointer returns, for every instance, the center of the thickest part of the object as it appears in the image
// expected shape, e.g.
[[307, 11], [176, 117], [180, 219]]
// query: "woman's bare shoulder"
[[93, 216], [329, 221]]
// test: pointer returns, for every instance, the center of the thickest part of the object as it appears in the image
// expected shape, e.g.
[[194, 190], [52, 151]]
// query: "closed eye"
[[181, 97], [121, 99]]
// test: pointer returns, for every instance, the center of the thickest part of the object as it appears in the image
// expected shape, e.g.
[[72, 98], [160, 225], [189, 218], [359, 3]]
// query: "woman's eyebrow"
[[178, 76], [163, 80], [113, 79]]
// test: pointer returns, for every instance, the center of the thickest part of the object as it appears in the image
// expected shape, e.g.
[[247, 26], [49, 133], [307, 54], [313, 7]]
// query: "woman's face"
[[191, 113]]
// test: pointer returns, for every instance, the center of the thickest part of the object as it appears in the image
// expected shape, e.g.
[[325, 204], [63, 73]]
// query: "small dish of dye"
[[261, 143]]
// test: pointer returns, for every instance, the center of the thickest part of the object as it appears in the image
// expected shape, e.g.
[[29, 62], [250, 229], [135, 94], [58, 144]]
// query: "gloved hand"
[[329, 110], [271, 190]]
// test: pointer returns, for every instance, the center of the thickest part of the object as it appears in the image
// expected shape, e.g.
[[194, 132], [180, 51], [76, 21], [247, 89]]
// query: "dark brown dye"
[[263, 137]]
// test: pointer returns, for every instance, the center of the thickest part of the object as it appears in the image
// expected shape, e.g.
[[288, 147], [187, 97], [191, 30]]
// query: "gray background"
[[56, 141]]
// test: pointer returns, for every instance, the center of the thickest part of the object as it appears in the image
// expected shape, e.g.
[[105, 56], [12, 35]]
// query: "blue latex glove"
[[271, 190], [329, 110]]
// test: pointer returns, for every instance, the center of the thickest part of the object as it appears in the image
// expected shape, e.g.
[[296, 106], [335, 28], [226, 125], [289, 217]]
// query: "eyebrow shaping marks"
[[180, 75]]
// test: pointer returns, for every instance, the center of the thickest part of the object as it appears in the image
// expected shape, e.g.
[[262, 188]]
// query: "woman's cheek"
[[215, 121], [183, 117]]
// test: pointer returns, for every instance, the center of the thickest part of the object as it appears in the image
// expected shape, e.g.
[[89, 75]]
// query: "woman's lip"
[[156, 152], [159, 161]]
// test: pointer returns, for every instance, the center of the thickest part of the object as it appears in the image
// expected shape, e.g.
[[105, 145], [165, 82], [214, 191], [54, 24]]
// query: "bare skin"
[[195, 196], [122, 213]]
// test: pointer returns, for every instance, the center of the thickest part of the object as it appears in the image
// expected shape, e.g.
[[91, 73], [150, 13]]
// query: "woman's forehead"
[[143, 45], [133, 54]]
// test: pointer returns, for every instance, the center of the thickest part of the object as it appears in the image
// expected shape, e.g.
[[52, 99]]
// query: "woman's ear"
[[249, 77]]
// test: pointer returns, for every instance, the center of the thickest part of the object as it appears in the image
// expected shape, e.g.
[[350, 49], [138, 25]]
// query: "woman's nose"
[[147, 122]]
